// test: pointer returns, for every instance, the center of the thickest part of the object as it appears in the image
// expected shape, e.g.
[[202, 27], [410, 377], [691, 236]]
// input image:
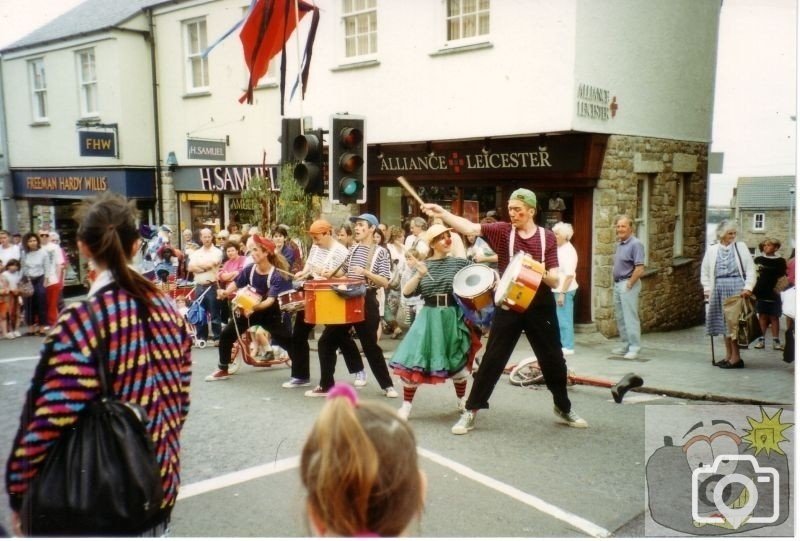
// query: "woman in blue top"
[[262, 275]]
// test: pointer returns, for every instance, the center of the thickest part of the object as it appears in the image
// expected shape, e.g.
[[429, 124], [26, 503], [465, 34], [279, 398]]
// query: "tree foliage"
[[288, 205]]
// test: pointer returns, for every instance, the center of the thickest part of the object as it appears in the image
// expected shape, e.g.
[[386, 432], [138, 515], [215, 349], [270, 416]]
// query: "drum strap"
[[514, 234], [269, 278]]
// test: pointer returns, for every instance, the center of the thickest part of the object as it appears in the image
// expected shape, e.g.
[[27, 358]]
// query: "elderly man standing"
[[205, 264], [628, 269]]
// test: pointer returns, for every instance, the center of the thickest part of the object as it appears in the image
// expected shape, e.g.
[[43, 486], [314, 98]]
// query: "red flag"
[[264, 35]]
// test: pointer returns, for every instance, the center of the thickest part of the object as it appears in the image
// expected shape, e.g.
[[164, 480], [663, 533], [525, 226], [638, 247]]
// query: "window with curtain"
[[38, 85], [677, 243], [87, 82], [642, 220], [195, 42], [467, 19], [360, 19], [758, 221]]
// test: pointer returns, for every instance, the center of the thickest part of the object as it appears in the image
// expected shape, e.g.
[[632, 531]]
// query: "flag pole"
[[297, 52]]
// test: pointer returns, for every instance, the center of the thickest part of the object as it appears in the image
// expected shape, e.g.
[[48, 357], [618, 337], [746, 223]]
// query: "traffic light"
[[307, 150], [290, 128], [348, 156]]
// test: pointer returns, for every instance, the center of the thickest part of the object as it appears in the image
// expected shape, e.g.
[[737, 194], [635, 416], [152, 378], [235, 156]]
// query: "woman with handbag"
[[36, 264], [727, 270], [265, 283], [146, 362]]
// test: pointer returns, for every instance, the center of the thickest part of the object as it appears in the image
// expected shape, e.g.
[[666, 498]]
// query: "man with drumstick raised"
[[538, 320], [324, 261], [370, 263]]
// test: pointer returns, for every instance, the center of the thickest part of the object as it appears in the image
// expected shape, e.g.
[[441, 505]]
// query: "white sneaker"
[[17, 334], [462, 404], [571, 418], [567, 351], [464, 424], [361, 379], [218, 375], [389, 392], [619, 351], [404, 411], [631, 355]]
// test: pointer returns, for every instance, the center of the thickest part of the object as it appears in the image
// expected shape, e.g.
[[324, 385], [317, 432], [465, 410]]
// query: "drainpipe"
[[157, 138]]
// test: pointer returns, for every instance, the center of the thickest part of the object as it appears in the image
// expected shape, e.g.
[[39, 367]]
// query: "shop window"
[[758, 221], [467, 19], [87, 82], [195, 42], [360, 20], [641, 220], [677, 242], [38, 85]]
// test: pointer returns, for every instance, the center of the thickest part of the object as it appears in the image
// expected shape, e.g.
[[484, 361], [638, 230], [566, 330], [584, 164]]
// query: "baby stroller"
[[195, 315]]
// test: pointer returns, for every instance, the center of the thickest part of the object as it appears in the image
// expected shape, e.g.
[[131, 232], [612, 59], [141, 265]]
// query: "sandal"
[[726, 364]]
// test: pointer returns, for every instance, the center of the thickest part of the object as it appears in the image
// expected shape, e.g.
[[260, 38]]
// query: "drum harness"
[[514, 234]]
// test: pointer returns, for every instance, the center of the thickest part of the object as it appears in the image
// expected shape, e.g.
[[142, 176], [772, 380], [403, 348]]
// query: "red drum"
[[325, 306], [474, 285], [519, 283], [292, 300]]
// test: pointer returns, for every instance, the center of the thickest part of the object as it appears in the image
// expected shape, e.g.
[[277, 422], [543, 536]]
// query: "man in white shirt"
[[52, 282], [8, 250], [205, 263], [418, 226]]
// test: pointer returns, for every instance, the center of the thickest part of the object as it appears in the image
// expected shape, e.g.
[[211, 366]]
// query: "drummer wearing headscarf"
[[539, 319], [257, 287]]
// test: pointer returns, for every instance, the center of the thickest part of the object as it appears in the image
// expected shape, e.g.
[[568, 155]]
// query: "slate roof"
[[88, 17], [764, 192]]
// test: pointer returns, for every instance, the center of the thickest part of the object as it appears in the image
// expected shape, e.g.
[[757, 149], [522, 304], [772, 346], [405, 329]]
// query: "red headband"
[[265, 243]]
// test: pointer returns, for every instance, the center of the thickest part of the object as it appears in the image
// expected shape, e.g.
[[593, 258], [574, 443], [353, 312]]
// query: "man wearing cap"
[[539, 320], [324, 261], [370, 263], [205, 263]]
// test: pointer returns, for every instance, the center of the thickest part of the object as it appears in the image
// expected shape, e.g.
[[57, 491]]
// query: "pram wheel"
[[200, 343], [527, 372]]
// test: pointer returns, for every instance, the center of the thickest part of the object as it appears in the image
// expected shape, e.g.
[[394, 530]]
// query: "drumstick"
[[410, 189], [287, 273]]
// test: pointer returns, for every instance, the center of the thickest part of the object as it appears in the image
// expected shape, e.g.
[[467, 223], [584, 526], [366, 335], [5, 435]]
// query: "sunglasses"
[[43, 235]]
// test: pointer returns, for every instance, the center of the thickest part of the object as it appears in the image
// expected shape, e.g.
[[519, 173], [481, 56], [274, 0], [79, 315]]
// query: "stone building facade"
[[672, 175]]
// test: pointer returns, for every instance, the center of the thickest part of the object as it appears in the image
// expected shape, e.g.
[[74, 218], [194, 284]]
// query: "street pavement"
[[518, 474]]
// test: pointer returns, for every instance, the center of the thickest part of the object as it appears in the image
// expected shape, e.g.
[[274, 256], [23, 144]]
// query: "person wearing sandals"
[[437, 346], [727, 270]]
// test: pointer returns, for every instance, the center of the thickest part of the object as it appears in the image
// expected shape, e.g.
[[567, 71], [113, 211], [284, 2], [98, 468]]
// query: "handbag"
[[197, 313], [782, 284], [25, 287], [101, 478], [749, 328]]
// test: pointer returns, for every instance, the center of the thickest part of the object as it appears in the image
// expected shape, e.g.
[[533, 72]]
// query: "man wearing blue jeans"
[[628, 269]]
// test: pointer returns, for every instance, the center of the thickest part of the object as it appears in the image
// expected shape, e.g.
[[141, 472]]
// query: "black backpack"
[[101, 478]]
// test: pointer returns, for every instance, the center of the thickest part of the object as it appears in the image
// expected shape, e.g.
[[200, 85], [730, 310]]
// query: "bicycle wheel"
[[527, 372]]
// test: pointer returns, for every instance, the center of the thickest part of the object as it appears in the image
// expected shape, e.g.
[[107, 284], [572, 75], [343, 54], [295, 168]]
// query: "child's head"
[[180, 301], [12, 265], [360, 468]]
